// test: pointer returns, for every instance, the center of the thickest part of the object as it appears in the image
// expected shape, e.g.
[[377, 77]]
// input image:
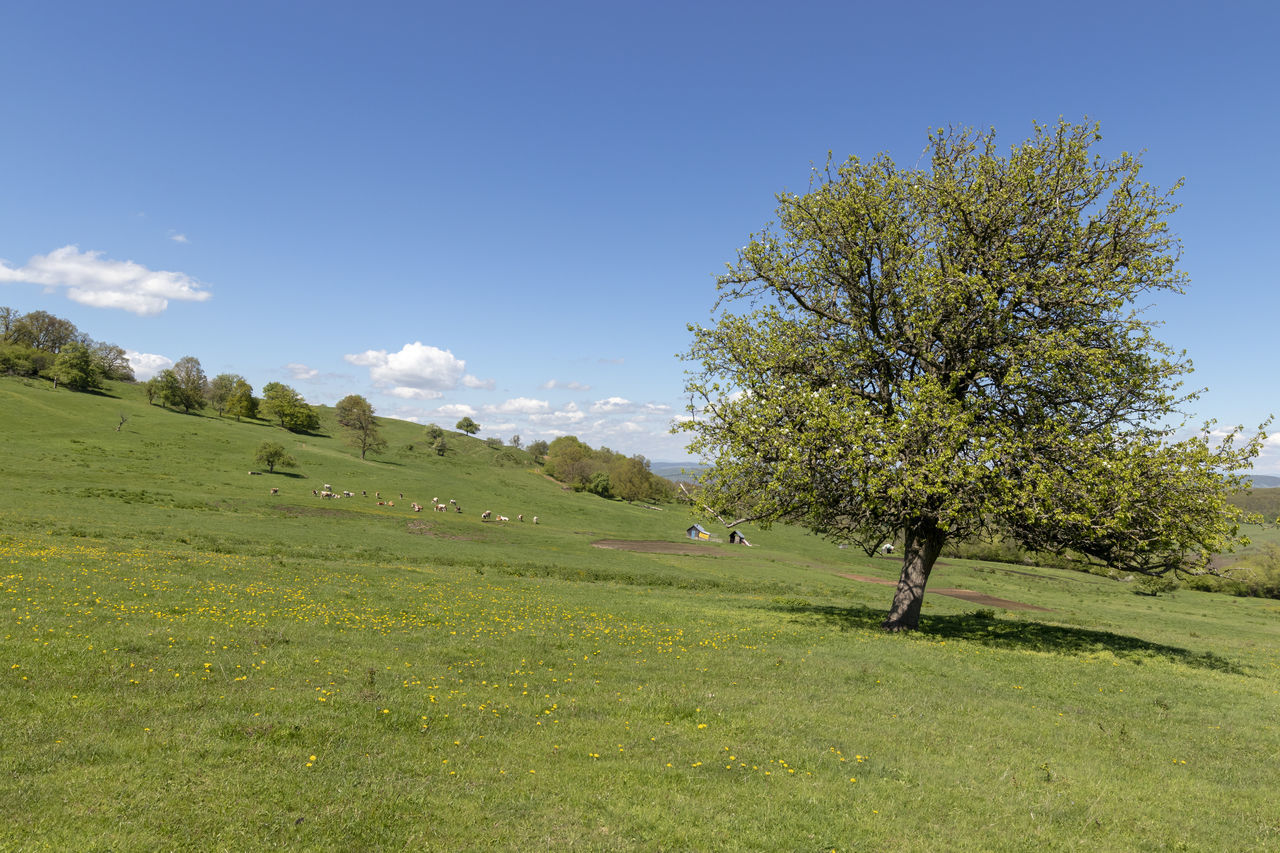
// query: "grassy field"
[[188, 662]]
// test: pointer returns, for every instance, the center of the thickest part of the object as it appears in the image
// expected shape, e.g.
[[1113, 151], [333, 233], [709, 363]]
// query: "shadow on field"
[[982, 627]]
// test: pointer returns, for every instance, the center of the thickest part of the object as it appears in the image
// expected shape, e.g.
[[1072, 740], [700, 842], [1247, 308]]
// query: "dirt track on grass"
[[963, 594], [655, 546]]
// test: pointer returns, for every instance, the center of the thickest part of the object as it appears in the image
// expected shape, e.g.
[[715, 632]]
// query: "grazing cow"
[[520, 517], [328, 488], [275, 491], [886, 548], [535, 519], [459, 509], [363, 493], [452, 501], [255, 473], [484, 516], [314, 492], [503, 518], [441, 508], [417, 507]]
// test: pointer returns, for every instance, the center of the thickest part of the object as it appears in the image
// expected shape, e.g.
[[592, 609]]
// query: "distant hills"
[[1264, 481], [686, 471]]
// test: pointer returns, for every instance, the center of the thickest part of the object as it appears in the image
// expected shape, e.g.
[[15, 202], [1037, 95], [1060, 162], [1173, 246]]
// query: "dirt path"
[[656, 546], [964, 594]]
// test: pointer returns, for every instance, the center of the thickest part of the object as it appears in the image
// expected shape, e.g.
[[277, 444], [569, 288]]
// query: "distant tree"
[[570, 461], [440, 447], [468, 426], [43, 331], [599, 484], [8, 317], [272, 454], [355, 414], [152, 389], [17, 360], [493, 441], [191, 381], [434, 432], [76, 368], [630, 479], [221, 387], [242, 403], [168, 388], [112, 361], [537, 449], [515, 441], [283, 404]]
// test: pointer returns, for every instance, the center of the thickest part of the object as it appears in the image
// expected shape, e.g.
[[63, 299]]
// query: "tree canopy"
[[355, 414], [941, 352], [284, 404], [468, 426], [271, 454]]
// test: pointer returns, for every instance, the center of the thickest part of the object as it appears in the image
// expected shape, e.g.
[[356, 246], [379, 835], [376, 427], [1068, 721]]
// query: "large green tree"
[[468, 426], [76, 368], [191, 383], [355, 414], [241, 403], [284, 404], [939, 352], [221, 387]]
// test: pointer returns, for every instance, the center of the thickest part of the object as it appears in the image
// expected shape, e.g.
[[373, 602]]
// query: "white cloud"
[[417, 372], [567, 416], [518, 406], [553, 384], [146, 364], [455, 410], [178, 238], [612, 406], [406, 393], [100, 282], [301, 371]]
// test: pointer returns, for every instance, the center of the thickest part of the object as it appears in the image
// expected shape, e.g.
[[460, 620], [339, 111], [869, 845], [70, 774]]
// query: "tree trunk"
[[924, 544]]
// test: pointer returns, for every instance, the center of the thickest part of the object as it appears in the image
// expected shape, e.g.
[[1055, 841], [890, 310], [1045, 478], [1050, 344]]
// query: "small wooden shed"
[[696, 532], [736, 538]]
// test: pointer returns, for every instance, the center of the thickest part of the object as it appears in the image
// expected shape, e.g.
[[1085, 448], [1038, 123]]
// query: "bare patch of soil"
[[422, 528], [320, 511], [655, 546], [962, 594]]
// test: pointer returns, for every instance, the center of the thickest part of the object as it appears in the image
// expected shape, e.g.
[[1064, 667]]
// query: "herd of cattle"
[[329, 493]]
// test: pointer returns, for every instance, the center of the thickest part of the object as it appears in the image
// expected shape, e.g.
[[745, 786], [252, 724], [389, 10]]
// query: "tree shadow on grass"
[[989, 630]]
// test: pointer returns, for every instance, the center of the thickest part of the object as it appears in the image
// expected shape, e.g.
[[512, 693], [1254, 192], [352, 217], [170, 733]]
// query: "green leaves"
[[961, 348]]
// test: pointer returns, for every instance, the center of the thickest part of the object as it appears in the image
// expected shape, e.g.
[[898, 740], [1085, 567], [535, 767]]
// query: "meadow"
[[188, 662]]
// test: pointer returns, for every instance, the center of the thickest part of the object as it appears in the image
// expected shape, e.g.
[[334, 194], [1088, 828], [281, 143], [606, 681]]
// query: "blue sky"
[[513, 210]]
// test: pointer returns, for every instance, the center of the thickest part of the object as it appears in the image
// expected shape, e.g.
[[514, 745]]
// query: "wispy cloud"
[[91, 279], [178, 238], [612, 406], [554, 384], [417, 372], [301, 371]]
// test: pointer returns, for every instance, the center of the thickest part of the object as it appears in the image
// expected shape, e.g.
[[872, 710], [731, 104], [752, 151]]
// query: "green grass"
[[176, 645]]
